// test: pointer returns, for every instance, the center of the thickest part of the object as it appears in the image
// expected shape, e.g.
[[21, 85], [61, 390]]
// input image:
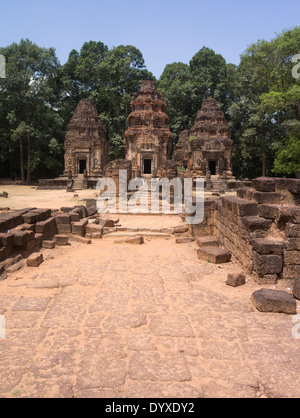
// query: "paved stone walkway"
[[109, 320]]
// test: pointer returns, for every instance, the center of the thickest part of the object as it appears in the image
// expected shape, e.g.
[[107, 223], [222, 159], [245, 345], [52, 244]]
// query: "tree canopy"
[[260, 98]]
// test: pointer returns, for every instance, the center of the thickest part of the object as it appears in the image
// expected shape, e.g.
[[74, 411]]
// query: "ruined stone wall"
[[260, 227], [27, 230]]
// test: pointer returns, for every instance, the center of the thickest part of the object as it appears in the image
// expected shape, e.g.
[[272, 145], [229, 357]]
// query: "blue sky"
[[165, 31]]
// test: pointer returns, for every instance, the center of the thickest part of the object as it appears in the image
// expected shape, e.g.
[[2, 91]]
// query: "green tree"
[[266, 103], [177, 89], [27, 97]]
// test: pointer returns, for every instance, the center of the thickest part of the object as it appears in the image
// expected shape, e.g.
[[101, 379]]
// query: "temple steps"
[[79, 183], [211, 252], [143, 234]]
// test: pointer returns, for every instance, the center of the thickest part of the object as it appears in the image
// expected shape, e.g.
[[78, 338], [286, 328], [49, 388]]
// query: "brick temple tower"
[[148, 137], [207, 147], [86, 148]]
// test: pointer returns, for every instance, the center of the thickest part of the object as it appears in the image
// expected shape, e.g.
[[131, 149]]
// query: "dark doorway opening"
[[147, 166], [213, 167], [82, 166]]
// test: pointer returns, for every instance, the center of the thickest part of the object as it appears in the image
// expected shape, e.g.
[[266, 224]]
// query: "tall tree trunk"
[[28, 159], [21, 161], [264, 165], [11, 166]]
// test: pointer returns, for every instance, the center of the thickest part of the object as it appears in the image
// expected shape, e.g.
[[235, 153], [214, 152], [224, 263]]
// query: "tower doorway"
[[82, 166], [213, 167], [147, 166]]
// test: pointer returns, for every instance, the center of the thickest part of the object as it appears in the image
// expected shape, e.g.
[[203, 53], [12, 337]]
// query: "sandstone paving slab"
[[85, 343], [64, 316], [108, 301], [31, 304], [124, 321], [95, 371], [237, 372], [25, 338], [110, 346], [61, 388], [94, 320], [220, 389], [140, 342], [22, 320], [185, 346], [52, 364], [10, 377], [154, 366], [173, 325], [99, 394], [160, 390], [221, 350]]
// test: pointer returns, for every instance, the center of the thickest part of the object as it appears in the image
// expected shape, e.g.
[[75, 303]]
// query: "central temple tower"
[[148, 137]]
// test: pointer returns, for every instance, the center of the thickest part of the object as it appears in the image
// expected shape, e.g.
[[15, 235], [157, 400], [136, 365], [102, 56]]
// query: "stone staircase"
[[217, 184], [211, 252], [79, 183]]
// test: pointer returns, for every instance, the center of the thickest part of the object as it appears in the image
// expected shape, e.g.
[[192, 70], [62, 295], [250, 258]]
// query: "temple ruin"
[[148, 137], [206, 149], [86, 150]]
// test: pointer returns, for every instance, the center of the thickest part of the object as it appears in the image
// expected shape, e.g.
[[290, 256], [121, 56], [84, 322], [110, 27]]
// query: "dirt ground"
[[115, 320]]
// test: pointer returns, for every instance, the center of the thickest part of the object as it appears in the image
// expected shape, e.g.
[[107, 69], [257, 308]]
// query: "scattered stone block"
[[22, 237], [264, 184], [4, 194], [30, 218], [92, 228], [15, 267], [267, 264], [276, 301], [35, 260], [293, 230], [48, 228], [208, 241], [236, 280], [49, 245], [80, 239], [39, 238], [61, 240], [134, 241], [64, 228], [23, 227], [296, 288], [254, 223], [292, 257], [267, 197], [64, 219], [267, 279], [269, 211], [214, 255], [42, 214], [66, 209], [10, 221], [180, 229], [30, 245], [74, 216], [7, 238], [184, 240], [79, 228], [265, 246], [81, 209]]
